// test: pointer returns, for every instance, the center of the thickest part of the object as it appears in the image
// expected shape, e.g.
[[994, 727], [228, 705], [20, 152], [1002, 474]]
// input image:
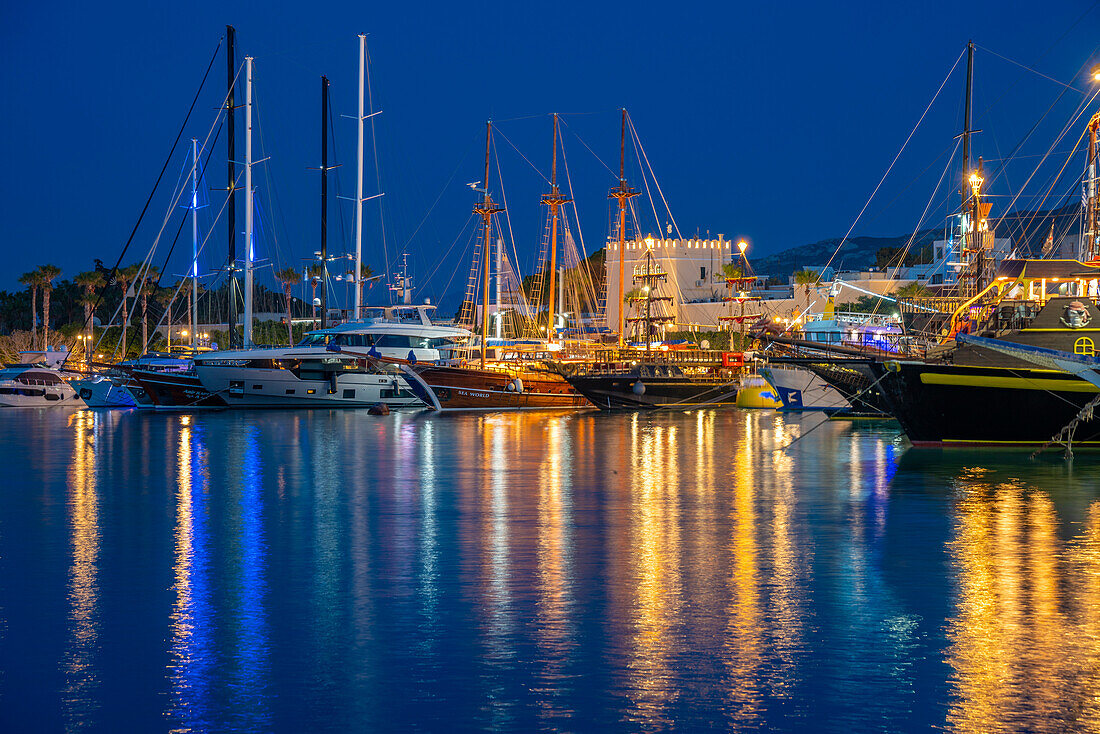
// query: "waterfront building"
[[695, 289]]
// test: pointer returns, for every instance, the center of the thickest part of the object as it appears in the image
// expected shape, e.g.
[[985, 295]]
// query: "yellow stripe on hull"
[[1014, 383]]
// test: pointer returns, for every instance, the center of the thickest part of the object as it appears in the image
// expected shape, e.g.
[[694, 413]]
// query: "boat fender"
[[639, 388], [516, 384], [510, 387], [332, 384]]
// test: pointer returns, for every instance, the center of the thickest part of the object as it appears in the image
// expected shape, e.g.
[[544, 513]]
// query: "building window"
[[1085, 346]]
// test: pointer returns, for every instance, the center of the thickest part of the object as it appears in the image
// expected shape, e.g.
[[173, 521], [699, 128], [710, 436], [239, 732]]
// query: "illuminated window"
[[1084, 345]]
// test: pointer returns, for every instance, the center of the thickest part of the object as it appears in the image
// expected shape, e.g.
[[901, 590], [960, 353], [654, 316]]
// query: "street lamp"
[[1095, 73]]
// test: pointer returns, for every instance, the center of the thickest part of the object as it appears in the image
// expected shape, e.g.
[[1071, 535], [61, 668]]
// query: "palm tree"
[[47, 275], [365, 273], [289, 277], [806, 278], [732, 271], [31, 280], [151, 273], [913, 290], [90, 281], [124, 277]]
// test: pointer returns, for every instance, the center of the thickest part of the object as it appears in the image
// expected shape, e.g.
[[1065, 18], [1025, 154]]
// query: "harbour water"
[[336, 571]]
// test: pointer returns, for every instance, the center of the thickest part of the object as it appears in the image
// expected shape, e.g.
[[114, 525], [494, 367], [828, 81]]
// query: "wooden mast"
[[486, 209], [622, 193], [554, 200]]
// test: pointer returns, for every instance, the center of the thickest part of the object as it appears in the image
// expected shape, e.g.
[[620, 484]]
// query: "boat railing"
[[678, 357]]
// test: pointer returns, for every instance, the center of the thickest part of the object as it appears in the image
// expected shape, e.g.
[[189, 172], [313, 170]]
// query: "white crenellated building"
[[696, 283]]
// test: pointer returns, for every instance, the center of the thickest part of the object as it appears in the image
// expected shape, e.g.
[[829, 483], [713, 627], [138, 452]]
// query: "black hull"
[[953, 405], [616, 392], [177, 390]]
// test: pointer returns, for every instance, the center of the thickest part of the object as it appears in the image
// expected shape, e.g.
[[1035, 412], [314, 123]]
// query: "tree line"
[[52, 309]]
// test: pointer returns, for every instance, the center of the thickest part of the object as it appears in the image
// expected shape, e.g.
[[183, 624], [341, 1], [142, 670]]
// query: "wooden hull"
[[461, 388]]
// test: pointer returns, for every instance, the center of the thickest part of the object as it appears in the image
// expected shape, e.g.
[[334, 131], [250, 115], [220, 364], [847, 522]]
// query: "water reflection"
[[82, 680], [554, 624], [191, 646], [550, 571], [252, 648], [654, 554], [1025, 645]]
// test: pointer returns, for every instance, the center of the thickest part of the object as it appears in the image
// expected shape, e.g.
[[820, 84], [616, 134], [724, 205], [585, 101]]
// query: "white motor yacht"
[[314, 373], [34, 385]]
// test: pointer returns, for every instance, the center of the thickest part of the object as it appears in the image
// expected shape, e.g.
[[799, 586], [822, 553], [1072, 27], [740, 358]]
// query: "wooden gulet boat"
[[491, 385]]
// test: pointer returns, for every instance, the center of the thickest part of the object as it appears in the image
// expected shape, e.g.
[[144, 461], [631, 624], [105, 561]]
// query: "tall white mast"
[[359, 183], [194, 243], [248, 205]]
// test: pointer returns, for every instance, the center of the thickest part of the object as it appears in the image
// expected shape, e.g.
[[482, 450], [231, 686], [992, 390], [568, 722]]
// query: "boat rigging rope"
[[149, 200], [1065, 436], [143, 270], [167, 257], [504, 203], [521, 155], [891, 166], [819, 425], [378, 166], [1028, 68]]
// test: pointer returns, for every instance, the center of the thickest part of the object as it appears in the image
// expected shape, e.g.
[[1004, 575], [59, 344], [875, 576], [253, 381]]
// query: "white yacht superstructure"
[[315, 373], [34, 385]]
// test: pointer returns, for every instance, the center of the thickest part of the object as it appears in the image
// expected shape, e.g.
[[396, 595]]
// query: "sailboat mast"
[[622, 226], [485, 253], [486, 209], [231, 207], [622, 193], [554, 200], [359, 184], [249, 203], [324, 201], [967, 113], [194, 243], [499, 282], [1092, 240]]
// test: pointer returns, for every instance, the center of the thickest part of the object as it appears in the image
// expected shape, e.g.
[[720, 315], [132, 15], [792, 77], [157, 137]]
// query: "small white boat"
[[34, 385], [798, 389]]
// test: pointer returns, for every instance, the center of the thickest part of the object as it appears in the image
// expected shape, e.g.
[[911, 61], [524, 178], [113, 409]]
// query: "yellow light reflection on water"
[[81, 679], [184, 663], [655, 560], [554, 623], [1024, 642]]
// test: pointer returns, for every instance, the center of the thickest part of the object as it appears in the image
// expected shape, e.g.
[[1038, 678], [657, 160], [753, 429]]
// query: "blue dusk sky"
[[769, 121]]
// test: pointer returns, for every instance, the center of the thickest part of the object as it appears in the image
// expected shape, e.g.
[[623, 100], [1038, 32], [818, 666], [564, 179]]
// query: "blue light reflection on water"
[[328, 571]]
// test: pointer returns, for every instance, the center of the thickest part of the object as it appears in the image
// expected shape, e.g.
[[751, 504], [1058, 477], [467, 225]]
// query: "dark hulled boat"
[[176, 390], [967, 394], [965, 405], [654, 386]]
